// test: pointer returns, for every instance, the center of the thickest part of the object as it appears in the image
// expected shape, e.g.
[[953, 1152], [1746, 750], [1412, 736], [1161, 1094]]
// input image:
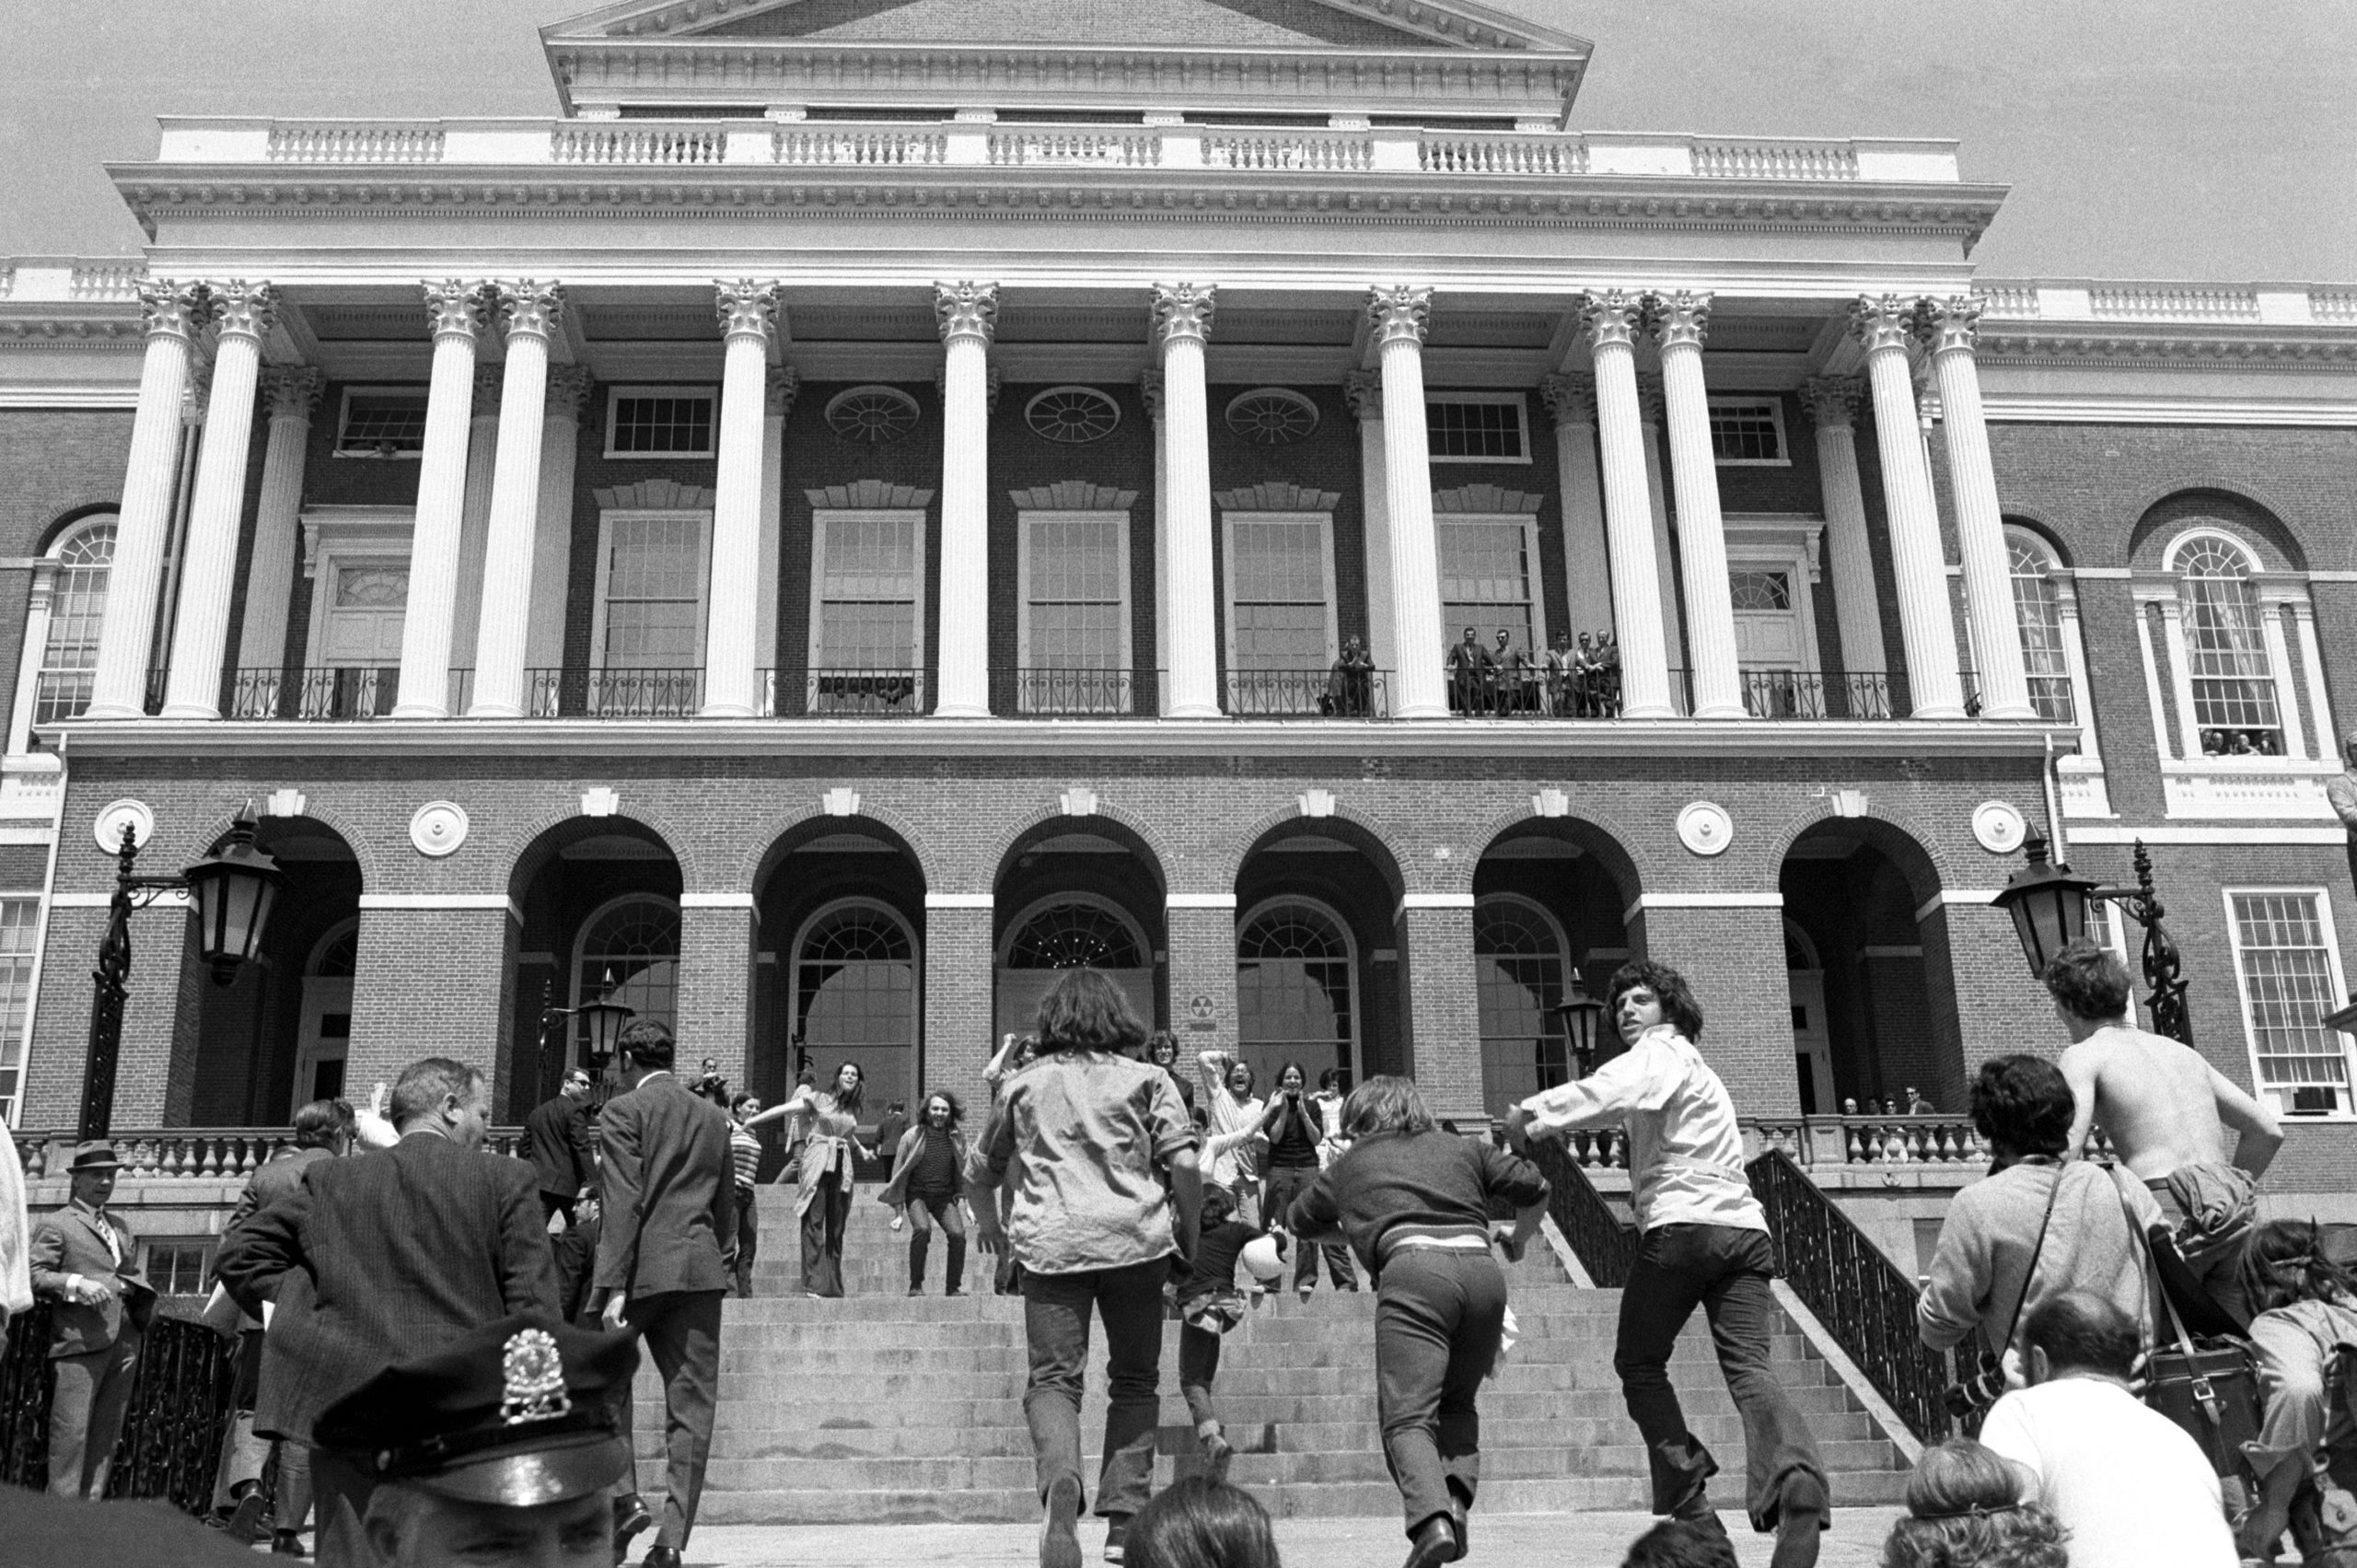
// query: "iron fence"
[[1082, 693], [865, 693], [1359, 693], [313, 695], [172, 1430], [1604, 1240], [1812, 694], [616, 693]]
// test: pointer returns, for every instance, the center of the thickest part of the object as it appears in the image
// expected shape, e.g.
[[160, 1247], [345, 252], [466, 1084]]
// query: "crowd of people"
[[1566, 680]]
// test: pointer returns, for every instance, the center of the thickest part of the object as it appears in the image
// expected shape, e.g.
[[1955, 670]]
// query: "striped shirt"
[[747, 1149]]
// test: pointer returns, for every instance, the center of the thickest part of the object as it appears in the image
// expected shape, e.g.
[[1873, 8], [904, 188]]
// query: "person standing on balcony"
[[2161, 1104], [1468, 673], [556, 1136], [1704, 1243], [86, 1262]]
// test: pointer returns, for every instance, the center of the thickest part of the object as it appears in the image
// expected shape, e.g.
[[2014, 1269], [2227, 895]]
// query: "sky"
[[2177, 139]]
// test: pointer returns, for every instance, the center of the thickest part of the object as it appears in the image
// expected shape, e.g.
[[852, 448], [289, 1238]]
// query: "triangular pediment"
[[1375, 25]]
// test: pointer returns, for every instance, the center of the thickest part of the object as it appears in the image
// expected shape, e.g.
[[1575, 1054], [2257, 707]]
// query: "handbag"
[[2208, 1387]]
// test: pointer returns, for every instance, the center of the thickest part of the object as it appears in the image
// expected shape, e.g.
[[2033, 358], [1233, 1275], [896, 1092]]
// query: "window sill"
[[2210, 788]]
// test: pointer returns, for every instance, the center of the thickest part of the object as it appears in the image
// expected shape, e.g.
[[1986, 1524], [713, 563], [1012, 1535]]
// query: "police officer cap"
[[520, 1412]]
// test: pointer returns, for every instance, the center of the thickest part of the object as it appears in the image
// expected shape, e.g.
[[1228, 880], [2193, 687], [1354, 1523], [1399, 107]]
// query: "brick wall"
[[57, 464]]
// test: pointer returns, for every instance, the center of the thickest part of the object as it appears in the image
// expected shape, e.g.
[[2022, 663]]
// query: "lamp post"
[[1581, 1014], [601, 1022], [2050, 903], [233, 889]]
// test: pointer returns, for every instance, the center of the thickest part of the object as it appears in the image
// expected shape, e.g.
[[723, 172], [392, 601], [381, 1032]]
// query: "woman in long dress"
[[823, 1197]]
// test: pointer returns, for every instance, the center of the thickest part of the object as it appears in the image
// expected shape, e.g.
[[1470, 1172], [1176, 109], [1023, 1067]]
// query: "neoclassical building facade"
[[853, 513]]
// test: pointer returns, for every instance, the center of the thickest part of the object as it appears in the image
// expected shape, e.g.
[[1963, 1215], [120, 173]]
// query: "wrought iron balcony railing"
[[1337, 693], [864, 693], [1047, 691], [1812, 694], [313, 695], [610, 693]]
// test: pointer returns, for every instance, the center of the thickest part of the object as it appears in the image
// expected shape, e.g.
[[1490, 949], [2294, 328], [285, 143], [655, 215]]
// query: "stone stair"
[[882, 1408]]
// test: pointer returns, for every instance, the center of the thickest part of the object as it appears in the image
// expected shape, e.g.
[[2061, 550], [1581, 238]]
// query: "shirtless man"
[[2162, 1105]]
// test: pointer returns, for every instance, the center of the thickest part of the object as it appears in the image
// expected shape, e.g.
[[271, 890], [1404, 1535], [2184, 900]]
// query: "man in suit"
[[556, 1137], [383, 1259], [86, 1262], [663, 1261]]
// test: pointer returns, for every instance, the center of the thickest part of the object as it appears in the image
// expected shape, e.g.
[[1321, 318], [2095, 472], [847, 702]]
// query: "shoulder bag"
[[2208, 1386]]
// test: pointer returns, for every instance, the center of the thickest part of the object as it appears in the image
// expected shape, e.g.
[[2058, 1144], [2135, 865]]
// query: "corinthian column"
[[1571, 399], [782, 384], [474, 515], [1363, 391], [1884, 327], [530, 313], [453, 311], [1150, 394], [1398, 314], [1678, 321], [1610, 321], [1182, 321], [552, 554], [746, 309], [118, 683], [293, 395], [209, 574], [1832, 402], [1952, 324], [967, 314]]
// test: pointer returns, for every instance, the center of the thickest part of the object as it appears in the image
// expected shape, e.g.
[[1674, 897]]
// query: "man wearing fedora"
[[86, 1262]]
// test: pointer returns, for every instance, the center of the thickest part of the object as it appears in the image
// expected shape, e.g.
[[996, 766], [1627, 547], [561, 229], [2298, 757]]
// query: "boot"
[[919, 1245], [956, 1266]]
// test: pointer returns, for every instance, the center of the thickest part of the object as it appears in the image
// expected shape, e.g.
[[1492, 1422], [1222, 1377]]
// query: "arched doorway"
[[857, 997], [1553, 896], [628, 953], [1296, 992], [1812, 1041], [1520, 961], [1077, 890], [323, 1035], [1071, 931]]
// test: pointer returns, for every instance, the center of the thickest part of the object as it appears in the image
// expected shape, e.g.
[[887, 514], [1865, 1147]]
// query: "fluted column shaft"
[[1832, 404], [456, 316], [1980, 526], [968, 313], [1586, 570], [293, 395], [1679, 320], [552, 555], [1884, 326], [1611, 322], [1363, 391], [1149, 393], [746, 309], [530, 313], [1419, 687], [1182, 321], [119, 684], [782, 384], [209, 571]]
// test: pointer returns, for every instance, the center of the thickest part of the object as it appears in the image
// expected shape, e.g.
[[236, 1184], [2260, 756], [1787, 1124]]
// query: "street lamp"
[[1581, 1014], [233, 888], [601, 1023], [2050, 906]]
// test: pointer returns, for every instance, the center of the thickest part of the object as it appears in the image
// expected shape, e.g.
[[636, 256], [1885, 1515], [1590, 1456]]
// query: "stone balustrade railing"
[[645, 143], [2165, 302], [196, 1153], [1831, 1142]]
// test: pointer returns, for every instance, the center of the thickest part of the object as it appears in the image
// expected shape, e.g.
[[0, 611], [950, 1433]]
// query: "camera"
[[1975, 1394]]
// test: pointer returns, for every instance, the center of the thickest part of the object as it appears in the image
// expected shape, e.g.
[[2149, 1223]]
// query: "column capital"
[[1831, 401], [168, 309], [1679, 320], [1182, 312], [990, 385], [1571, 399], [747, 308], [1150, 392], [1398, 312], [1951, 325], [966, 310], [293, 391], [568, 392], [779, 388], [243, 309], [487, 381], [1362, 389], [1652, 400], [529, 308], [1883, 323], [453, 309], [1611, 317]]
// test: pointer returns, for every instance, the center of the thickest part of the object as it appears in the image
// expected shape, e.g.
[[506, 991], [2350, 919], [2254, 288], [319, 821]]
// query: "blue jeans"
[[1438, 1314], [1726, 1271], [1055, 1323]]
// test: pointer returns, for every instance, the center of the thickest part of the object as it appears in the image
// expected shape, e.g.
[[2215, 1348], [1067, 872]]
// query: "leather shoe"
[[661, 1557], [630, 1516], [1460, 1514], [1433, 1543], [286, 1543]]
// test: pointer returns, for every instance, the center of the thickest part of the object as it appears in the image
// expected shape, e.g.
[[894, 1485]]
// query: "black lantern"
[[2048, 903], [601, 1025], [233, 888], [1581, 1015]]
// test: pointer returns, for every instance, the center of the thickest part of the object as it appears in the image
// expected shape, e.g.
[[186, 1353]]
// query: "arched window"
[[855, 997], [1075, 935], [2037, 616], [338, 953], [2233, 682], [1295, 999], [77, 605], [1518, 967], [630, 952]]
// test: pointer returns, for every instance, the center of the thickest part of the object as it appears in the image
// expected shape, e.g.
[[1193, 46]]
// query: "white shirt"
[[2132, 1488], [1685, 1149]]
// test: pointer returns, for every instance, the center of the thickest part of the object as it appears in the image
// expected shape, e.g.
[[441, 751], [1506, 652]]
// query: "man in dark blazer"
[[557, 1140], [382, 1259], [670, 1228], [86, 1262]]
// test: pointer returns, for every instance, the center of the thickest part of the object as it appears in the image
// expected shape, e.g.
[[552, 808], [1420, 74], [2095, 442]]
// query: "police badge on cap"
[[519, 1412]]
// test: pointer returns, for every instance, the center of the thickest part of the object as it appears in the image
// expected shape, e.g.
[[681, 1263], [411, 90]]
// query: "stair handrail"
[[1863, 1299], [1604, 1240]]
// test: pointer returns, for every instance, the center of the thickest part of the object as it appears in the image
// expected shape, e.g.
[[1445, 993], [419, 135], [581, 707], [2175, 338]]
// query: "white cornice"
[[2194, 346], [2098, 409]]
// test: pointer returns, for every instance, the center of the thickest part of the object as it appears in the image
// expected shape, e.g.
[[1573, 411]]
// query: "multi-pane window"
[[1076, 934], [629, 954], [1281, 613], [870, 568], [388, 424], [1760, 590], [1747, 430], [1075, 592], [1467, 429], [78, 605], [20, 928], [659, 422], [2234, 687], [654, 606], [2037, 616], [1489, 580], [1518, 980], [855, 999], [177, 1267], [2283, 959], [1294, 994]]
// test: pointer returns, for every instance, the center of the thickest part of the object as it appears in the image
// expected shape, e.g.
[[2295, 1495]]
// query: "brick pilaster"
[[430, 983], [1443, 1013], [1735, 960], [1203, 970], [716, 980], [959, 974]]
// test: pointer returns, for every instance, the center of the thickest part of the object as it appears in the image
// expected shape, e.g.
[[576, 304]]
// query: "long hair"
[[2281, 1264], [1085, 1011], [1293, 1067], [1200, 1523], [1159, 1041], [1678, 1004], [957, 1109], [1384, 1104], [1251, 1078], [1965, 1510], [848, 1098]]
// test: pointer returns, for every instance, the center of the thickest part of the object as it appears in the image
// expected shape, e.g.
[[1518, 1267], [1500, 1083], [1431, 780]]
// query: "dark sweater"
[[1412, 1183], [1292, 1134], [1216, 1255]]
